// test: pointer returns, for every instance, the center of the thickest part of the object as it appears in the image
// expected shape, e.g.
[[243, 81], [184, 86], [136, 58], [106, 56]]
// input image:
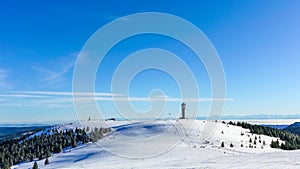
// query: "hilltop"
[[131, 145]]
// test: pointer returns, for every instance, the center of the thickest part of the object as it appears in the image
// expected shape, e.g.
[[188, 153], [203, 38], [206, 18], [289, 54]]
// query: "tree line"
[[15, 151], [292, 141]]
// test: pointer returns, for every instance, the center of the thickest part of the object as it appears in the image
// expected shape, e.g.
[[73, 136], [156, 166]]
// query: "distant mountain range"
[[17, 132], [276, 126], [256, 117]]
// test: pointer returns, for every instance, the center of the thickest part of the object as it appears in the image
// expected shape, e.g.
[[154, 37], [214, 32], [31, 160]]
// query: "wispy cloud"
[[66, 93], [60, 99], [20, 96], [4, 83], [54, 73], [166, 99]]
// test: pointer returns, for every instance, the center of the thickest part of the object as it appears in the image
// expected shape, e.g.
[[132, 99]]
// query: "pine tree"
[[231, 145], [48, 154], [35, 165], [74, 143], [222, 144], [6, 166], [272, 144], [46, 161], [58, 148], [275, 144]]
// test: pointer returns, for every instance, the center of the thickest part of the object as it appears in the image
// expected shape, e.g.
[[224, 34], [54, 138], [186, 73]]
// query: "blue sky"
[[257, 42]]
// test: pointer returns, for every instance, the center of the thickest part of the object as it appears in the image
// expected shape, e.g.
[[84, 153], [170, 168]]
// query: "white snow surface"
[[171, 144]]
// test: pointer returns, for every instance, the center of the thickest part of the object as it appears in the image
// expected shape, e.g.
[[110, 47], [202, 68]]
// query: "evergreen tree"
[[48, 154], [35, 165], [46, 161], [275, 144], [6, 166], [222, 144], [74, 143]]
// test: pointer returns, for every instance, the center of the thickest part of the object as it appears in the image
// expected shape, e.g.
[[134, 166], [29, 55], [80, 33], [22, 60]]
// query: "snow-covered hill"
[[172, 144]]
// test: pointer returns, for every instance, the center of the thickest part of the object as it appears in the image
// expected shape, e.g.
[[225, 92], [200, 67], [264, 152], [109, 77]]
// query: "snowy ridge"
[[127, 144]]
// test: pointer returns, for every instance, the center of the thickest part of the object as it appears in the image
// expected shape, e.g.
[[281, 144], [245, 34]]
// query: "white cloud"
[[167, 99], [61, 99], [65, 93], [20, 96], [105, 96]]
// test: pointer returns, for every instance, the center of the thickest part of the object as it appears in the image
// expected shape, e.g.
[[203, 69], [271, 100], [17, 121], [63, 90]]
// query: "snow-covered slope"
[[173, 144]]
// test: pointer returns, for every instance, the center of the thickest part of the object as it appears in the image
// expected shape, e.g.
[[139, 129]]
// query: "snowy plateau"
[[171, 144]]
